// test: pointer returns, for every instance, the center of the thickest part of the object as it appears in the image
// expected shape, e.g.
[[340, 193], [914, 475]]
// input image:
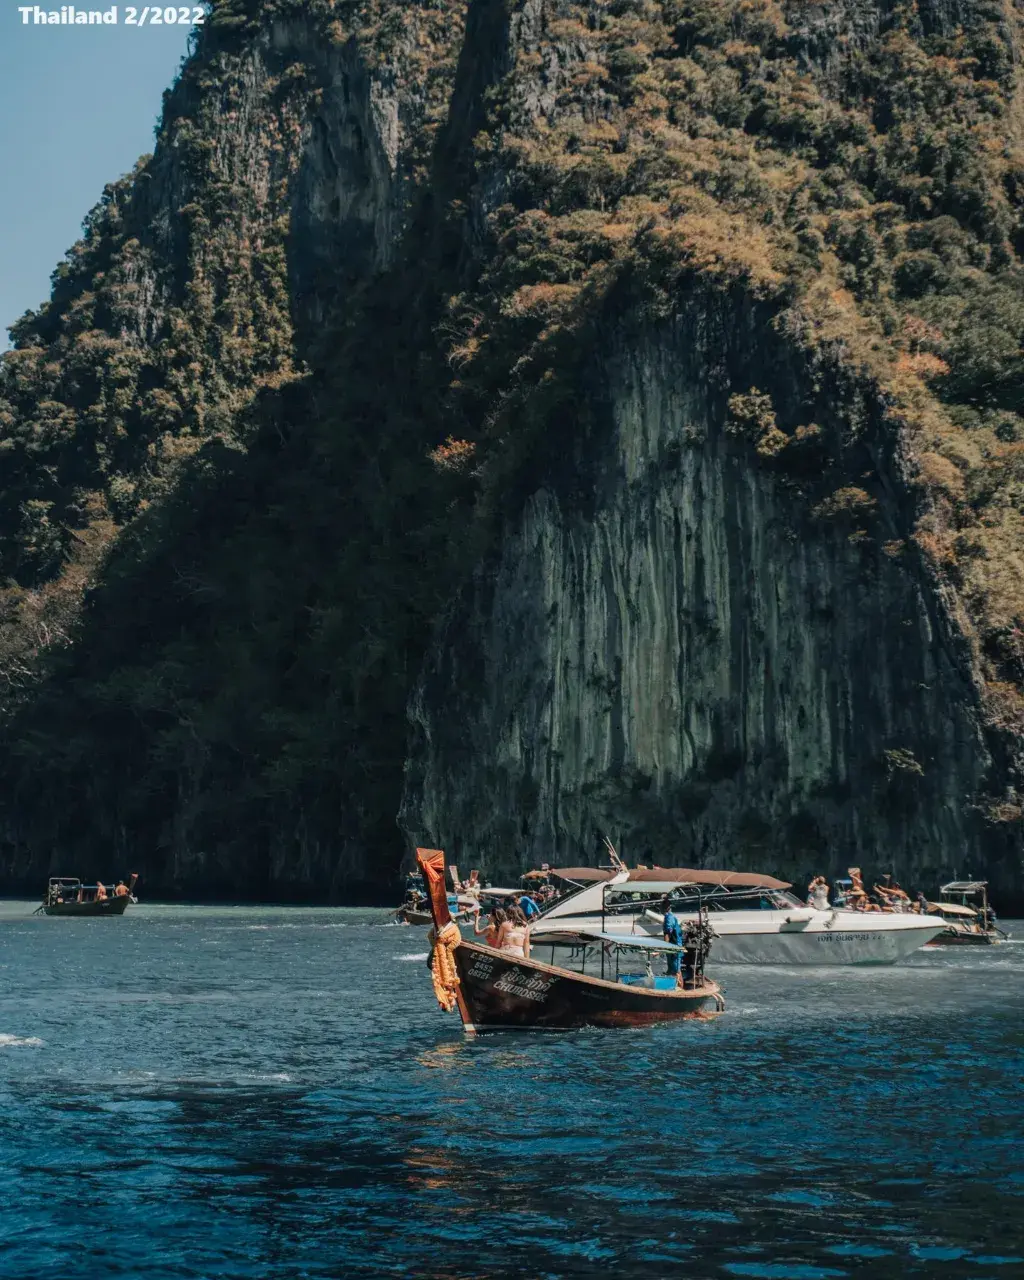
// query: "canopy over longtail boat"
[[503, 991]]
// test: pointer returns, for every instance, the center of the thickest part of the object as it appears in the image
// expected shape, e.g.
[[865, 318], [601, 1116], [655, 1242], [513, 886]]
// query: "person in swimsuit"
[[492, 930], [514, 936], [101, 891]]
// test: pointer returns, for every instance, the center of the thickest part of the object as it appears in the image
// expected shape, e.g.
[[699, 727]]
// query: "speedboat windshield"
[[687, 898]]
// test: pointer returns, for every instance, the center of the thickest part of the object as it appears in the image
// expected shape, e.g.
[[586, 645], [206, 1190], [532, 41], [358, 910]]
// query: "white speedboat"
[[755, 918]]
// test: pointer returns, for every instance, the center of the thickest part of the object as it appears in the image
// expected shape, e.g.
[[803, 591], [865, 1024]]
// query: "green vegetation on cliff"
[[307, 355], [868, 182]]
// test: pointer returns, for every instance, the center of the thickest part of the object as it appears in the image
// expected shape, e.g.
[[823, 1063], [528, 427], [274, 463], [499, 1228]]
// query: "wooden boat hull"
[[502, 992], [949, 938], [414, 917], [105, 907], [411, 916]]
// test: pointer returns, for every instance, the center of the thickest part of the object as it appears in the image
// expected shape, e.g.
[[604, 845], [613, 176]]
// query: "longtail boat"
[[415, 908], [68, 896], [966, 926], [502, 991]]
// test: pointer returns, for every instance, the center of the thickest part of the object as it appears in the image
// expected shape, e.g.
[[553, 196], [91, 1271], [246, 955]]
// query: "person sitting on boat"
[[528, 907], [672, 931], [101, 891], [922, 904], [817, 894], [121, 890], [892, 896], [514, 937], [492, 931]]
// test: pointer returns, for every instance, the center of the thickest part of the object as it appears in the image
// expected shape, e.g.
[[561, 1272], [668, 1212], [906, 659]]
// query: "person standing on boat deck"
[[528, 907], [513, 936], [121, 889], [671, 931]]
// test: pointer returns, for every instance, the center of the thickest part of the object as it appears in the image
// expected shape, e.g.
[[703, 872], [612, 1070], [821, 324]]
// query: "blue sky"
[[78, 106]]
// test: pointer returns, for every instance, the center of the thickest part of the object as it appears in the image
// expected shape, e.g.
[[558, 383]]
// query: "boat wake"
[[13, 1042], [413, 955]]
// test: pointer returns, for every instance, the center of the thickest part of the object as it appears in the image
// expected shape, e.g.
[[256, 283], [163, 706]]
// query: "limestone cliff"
[[710, 630], [167, 440], [580, 415], [673, 646]]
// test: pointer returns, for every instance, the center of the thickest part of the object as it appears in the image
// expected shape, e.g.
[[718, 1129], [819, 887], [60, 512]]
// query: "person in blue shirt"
[[672, 931], [528, 907]]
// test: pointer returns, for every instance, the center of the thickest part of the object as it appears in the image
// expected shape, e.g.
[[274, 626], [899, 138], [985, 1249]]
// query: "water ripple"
[[290, 1103]]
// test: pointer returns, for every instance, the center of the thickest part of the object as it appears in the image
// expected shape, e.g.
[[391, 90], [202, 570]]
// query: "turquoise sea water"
[[203, 1092]]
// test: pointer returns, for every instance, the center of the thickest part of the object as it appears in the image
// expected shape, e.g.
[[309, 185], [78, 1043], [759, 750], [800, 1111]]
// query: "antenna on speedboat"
[[617, 862]]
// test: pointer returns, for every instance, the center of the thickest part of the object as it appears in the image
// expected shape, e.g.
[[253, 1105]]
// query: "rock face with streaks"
[[685, 658], [680, 639]]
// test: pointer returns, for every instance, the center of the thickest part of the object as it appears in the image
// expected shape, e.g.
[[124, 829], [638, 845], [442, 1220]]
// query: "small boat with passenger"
[[465, 898], [966, 925], [68, 896], [500, 990]]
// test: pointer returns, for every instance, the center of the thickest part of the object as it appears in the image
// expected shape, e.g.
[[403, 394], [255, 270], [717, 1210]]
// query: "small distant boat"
[[966, 926], [415, 907], [68, 896], [501, 991]]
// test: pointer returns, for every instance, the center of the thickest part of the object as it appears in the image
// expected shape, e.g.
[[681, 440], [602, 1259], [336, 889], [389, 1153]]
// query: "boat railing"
[[62, 889], [607, 952]]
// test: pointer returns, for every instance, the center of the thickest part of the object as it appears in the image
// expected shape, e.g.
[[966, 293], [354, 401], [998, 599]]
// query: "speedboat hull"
[[805, 937], [843, 944]]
